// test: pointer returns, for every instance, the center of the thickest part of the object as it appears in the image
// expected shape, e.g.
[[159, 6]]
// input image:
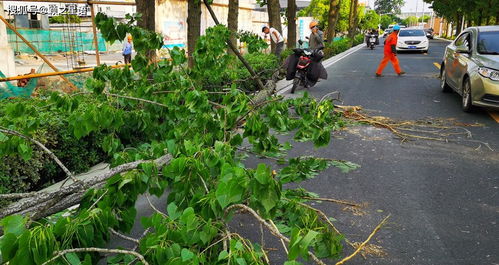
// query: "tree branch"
[[333, 200], [364, 243], [69, 195], [101, 250], [272, 230]]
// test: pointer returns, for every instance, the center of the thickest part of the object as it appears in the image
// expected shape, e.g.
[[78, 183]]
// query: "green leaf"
[[178, 56], [3, 137], [186, 254], [262, 174], [73, 258], [14, 224], [345, 166], [24, 151], [172, 211], [241, 261], [223, 255], [8, 246]]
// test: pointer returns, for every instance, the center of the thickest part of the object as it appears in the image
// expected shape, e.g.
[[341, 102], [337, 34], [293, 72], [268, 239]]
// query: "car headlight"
[[489, 73]]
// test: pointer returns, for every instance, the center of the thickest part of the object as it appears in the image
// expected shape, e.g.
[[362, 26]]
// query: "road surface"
[[443, 197]]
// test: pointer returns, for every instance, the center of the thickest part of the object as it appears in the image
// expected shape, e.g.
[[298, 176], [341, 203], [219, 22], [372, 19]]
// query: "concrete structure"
[[7, 66]]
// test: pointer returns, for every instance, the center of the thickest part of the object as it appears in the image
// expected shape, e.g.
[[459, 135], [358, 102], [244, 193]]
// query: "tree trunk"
[[193, 27], [232, 21], [334, 11], [148, 10], [350, 14], [458, 24], [291, 14], [274, 10], [148, 21], [353, 16]]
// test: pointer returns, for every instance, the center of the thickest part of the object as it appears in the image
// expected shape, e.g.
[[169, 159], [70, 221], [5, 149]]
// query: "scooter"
[[306, 58], [371, 42]]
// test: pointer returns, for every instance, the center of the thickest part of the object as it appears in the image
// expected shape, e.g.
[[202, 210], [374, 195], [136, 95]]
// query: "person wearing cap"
[[127, 50], [276, 38], [316, 40], [390, 52]]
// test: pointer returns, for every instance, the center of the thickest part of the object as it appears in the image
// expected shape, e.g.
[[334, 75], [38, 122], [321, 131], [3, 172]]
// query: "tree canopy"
[[388, 6]]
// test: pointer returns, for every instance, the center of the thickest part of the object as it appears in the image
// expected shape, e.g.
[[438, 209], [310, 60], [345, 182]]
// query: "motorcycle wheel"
[[296, 82], [372, 47]]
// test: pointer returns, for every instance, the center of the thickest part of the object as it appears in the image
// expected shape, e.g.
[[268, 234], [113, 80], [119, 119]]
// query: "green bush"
[[342, 45], [253, 41], [337, 47], [358, 39], [38, 170]]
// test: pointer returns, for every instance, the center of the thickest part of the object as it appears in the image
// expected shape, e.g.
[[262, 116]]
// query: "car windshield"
[[411, 33], [488, 42]]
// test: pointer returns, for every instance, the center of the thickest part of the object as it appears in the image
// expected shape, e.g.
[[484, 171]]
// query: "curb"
[[284, 86], [438, 38]]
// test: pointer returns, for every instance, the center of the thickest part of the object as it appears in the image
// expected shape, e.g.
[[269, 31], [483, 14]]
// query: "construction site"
[[58, 39]]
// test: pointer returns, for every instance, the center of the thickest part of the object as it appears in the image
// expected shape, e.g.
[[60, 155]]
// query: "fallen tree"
[[193, 146]]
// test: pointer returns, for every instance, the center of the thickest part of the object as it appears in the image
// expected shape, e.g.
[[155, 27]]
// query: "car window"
[[488, 42], [463, 40], [412, 33]]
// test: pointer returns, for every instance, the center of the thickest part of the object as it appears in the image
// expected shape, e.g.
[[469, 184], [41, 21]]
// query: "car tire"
[[443, 81], [467, 102]]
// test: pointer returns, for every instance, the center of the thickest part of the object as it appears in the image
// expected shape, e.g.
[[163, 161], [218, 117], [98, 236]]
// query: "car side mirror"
[[462, 49]]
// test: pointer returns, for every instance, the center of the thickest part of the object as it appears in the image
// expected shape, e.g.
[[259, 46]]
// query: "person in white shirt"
[[276, 38]]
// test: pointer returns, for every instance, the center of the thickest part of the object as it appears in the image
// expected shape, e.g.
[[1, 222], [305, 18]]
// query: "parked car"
[[471, 67], [387, 32], [412, 40], [429, 33], [390, 29]]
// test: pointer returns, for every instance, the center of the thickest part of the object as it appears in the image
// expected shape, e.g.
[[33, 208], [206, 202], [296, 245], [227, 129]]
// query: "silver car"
[[471, 67]]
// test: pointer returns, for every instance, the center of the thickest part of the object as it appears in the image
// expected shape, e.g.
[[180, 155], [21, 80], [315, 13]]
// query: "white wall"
[[171, 19], [7, 66]]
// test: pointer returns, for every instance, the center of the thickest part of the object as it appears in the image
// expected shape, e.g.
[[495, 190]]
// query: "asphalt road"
[[443, 197]]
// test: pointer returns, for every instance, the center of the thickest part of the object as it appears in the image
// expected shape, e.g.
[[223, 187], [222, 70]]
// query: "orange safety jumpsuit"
[[389, 54]]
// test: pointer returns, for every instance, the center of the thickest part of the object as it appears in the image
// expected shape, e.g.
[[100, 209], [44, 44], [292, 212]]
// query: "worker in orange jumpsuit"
[[390, 53]]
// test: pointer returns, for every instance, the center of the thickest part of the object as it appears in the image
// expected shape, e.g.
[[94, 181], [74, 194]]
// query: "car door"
[[463, 59], [452, 63]]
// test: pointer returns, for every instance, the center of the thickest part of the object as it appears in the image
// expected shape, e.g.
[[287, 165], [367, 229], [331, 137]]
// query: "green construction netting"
[[8, 90], [52, 41]]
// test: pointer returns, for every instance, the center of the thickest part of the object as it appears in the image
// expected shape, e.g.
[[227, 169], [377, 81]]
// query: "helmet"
[[396, 27], [313, 24], [129, 37]]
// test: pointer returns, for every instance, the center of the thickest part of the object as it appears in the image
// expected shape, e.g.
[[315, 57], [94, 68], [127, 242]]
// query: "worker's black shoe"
[[378, 75], [401, 73]]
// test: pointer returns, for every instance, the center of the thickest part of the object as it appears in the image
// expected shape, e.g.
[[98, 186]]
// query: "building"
[[7, 67]]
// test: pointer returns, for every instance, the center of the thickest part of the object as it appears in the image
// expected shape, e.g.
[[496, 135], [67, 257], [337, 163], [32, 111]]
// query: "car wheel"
[[467, 99], [443, 81]]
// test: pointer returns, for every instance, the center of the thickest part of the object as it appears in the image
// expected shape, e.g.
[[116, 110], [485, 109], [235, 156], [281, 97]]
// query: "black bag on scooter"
[[290, 66]]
